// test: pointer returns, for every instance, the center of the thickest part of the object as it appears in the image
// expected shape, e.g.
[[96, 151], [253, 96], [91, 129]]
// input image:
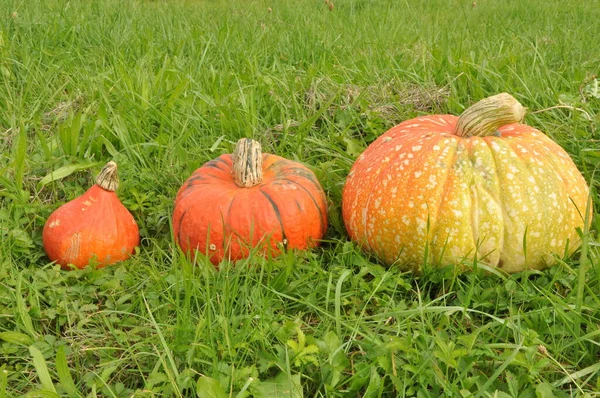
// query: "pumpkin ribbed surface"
[[223, 220], [512, 199]]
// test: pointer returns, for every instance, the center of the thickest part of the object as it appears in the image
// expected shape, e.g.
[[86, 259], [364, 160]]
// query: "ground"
[[161, 87]]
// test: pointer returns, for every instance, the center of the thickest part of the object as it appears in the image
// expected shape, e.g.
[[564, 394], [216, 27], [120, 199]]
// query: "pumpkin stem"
[[108, 178], [485, 117], [247, 163]]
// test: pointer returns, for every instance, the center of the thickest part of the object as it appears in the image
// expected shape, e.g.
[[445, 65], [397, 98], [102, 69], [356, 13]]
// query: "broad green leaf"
[[353, 147], [207, 387], [375, 386], [544, 390], [41, 368], [63, 172], [281, 386], [16, 338]]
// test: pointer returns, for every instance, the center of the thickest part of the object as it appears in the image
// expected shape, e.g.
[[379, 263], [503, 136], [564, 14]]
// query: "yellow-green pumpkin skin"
[[422, 194]]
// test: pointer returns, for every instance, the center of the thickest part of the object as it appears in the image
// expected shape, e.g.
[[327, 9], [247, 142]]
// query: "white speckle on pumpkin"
[[418, 174], [436, 147], [421, 225], [416, 148], [411, 204], [212, 247], [432, 182], [510, 176], [457, 213], [54, 223], [405, 219]]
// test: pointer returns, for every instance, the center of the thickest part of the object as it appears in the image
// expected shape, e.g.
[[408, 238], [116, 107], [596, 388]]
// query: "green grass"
[[164, 86]]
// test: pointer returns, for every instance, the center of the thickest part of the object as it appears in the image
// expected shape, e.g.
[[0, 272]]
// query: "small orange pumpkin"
[[95, 227], [249, 200], [442, 189]]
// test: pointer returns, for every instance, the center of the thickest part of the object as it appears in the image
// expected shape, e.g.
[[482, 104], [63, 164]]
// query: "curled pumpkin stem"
[[485, 117], [108, 178], [247, 163]]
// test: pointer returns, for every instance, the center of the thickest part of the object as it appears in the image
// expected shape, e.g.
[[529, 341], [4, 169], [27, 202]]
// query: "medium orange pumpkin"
[[95, 227], [249, 200], [442, 189]]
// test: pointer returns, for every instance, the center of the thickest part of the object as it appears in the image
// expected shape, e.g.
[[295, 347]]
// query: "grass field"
[[162, 87]]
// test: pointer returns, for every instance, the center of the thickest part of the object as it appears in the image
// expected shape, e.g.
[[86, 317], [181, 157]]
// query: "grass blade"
[[22, 310], [173, 367], [63, 172], [3, 381], [64, 374], [20, 156], [41, 368], [338, 301]]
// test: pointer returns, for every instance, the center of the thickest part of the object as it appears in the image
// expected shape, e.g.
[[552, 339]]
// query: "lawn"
[[161, 87]]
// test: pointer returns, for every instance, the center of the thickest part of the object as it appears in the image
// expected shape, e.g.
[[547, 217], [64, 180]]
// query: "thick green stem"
[[247, 163], [486, 116], [108, 177]]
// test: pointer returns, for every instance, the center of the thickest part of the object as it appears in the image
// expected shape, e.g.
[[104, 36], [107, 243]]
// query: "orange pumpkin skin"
[[225, 221], [95, 227], [512, 200]]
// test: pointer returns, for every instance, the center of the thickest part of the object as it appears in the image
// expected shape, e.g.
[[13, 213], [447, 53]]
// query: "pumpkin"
[[442, 190], [93, 228], [249, 200]]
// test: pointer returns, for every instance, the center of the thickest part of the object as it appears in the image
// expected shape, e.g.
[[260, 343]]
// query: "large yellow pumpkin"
[[441, 189]]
